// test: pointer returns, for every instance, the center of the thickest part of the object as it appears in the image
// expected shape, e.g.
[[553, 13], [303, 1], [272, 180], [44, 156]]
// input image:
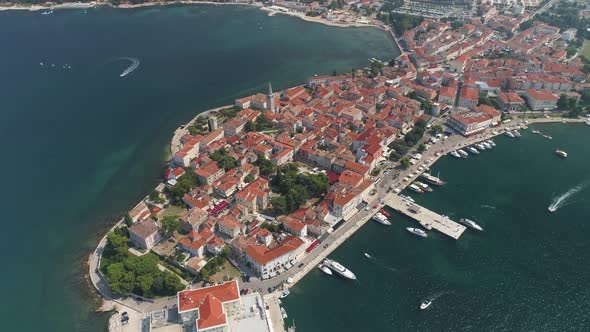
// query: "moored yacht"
[[432, 179], [561, 153], [547, 137], [509, 134], [470, 223], [487, 145], [472, 150], [455, 154], [423, 186], [417, 231], [463, 153], [407, 198], [491, 143], [325, 269], [516, 133], [380, 218], [338, 268], [480, 147], [416, 188]]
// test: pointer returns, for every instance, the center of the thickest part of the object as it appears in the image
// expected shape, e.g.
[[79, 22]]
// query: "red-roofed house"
[[469, 123], [447, 95], [229, 226], [541, 100], [144, 234], [295, 227], [468, 97], [509, 101], [139, 212], [268, 262], [209, 172], [210, 307]]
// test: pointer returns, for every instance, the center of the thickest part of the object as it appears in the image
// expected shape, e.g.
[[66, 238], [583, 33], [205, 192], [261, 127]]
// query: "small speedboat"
[[509, 134], [547, 137], [368, 256], [284, 294], [463, 153], [325, 269], [385, 213], [561, 153], [455, 154], [283, 313], [535, 132], [425, 304], [472, 150], [491, 143]]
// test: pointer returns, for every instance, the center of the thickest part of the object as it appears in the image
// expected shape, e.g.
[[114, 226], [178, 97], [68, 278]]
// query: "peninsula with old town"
[[259, 193]]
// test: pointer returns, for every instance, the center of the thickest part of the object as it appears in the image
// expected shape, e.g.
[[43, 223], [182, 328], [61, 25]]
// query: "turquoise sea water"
[[81, 144], [528, 270]]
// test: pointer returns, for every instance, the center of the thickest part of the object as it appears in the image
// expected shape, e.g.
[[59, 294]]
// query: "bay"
[[80, 143], [527, 271]]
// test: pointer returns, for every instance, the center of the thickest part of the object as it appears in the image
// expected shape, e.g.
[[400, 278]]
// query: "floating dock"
[[428, 219]]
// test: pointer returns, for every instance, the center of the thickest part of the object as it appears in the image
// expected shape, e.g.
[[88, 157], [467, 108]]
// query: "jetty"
[[428, 219]]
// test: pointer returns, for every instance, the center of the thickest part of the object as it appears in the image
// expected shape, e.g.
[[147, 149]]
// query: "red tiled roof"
[[263, 255], [209, 301]]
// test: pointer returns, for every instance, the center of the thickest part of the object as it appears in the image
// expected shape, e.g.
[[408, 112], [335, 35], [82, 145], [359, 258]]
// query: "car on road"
[[300, 265]]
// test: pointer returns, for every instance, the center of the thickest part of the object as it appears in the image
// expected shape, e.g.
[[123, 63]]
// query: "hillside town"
[[254, 187]]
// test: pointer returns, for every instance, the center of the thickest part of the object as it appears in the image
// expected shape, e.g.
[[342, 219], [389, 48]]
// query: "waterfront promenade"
[[175, 144]]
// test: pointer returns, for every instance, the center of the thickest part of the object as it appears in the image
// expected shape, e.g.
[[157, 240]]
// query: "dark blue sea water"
[[80, 143], [528, 270]]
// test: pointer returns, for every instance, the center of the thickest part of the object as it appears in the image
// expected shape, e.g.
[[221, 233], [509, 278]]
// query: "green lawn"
[[225, 271], [586, 49]]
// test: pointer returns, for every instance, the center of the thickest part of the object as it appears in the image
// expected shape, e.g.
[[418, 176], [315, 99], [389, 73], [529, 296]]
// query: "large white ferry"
[[382, 219], [338, 268]]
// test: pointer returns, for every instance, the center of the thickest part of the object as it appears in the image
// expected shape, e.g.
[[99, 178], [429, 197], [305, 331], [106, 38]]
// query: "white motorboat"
[[325, 269], [535, 131], [561, 153], [486, 145], [339, 268], [407, 198], [463, 153], [417, 231], [480, 147], [547, 137], [283, 313], [455, 154], [509, 134], [472, 150], [425, 304], [284, 294], [491, 143], [516, 133], [423, 186], [415, 188], [381, 218], [588, 122], [470, 223], [368, 256]]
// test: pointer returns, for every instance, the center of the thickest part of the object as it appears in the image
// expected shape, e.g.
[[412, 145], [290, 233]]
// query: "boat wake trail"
[[134, 64], [563, 200], [440, 294], [380, 264]]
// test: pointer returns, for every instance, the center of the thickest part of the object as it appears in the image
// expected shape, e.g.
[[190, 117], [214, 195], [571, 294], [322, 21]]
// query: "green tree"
[[169, 225], [265, 166], [421, 148], [145, 283], [405, 162], [249, 126], [279, 205], [249, 178], [128, 220], [437, 129], [155, 197], [172, 283]]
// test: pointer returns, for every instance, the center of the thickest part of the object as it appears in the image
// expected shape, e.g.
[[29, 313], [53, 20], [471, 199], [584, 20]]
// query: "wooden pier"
[[428, 219]]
